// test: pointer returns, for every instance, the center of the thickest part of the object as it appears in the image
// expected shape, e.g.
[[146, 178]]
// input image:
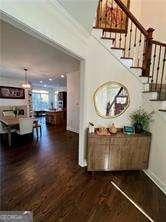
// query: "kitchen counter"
[[54, 117]]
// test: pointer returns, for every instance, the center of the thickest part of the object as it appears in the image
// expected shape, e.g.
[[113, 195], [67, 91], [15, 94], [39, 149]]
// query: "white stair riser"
[[144, 79], [146, 87], [159, 104], [163, 114], [117, 53], [127, 62], [107, 43], [163, 105], [138, 72], [150, 95], [97, 33]]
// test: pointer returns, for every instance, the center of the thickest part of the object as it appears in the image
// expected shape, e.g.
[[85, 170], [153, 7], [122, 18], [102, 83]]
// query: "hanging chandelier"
[[26, 85]]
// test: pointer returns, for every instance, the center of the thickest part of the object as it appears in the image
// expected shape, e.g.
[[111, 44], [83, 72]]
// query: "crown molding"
[[81, 31]]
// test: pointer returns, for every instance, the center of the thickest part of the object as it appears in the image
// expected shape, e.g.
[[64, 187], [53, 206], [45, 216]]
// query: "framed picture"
[[7, 92], [111, 17]]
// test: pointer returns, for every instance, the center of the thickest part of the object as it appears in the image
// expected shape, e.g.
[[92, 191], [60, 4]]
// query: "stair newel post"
[[147, 52]]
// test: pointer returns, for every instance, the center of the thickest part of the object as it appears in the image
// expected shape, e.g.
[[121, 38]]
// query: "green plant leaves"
[[142, 117]]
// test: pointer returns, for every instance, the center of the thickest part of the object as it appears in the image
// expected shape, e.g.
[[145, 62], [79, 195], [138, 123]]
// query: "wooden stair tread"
[[117, 48], [162, 110], [113, 39], [136, 67], [149, 91], [126, 58], [94, 27], [158, 100], [146, 76]]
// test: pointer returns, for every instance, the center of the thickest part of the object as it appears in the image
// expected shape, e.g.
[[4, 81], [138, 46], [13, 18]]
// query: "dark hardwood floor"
[[46, 179]]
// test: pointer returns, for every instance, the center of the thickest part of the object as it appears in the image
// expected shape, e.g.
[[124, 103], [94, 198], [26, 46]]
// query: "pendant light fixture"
[[26, 85]]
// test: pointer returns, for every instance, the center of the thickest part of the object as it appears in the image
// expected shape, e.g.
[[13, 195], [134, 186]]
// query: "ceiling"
[[20, 50]]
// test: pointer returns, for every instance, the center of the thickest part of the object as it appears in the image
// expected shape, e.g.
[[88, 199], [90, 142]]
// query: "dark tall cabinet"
[[62, 99]]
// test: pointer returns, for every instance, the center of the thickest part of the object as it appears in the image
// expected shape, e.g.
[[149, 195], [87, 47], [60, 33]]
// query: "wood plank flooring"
[[46, 179]]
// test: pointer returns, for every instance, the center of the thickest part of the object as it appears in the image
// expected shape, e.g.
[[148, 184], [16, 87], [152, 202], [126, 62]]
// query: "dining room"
[[39, 88], [16, 117]]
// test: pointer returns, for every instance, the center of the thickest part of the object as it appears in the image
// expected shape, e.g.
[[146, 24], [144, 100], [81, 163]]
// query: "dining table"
[[12, 122]]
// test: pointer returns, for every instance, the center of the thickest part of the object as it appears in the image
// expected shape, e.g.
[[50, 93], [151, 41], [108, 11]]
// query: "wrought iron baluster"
[[129, 50], [120, 35], [125, 42], [158, 68], [162, 74], [135, 37], [153, 66], [115, 41], [138, 51], [144, 54], [103, 33]]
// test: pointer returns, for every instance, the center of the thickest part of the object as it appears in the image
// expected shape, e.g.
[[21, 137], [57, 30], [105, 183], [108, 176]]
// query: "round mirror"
[[111, 100]]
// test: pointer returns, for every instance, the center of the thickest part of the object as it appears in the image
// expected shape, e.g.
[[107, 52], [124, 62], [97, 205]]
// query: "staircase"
[[118, 30]]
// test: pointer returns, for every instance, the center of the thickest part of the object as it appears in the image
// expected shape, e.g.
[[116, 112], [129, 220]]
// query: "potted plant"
[[141, 120]]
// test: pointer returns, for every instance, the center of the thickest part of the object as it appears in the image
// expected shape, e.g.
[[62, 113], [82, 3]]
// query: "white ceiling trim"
[[80, 30]]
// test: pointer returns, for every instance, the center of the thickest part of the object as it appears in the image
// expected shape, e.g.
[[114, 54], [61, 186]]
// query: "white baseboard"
[[156, 180], [72, 129], [83, 163]]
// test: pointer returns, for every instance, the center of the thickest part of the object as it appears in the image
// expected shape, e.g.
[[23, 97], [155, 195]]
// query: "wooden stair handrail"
[[132, 17], [158, 43]]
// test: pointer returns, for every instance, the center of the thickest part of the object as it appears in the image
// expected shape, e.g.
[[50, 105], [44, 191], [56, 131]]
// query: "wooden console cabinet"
[[118, 152]]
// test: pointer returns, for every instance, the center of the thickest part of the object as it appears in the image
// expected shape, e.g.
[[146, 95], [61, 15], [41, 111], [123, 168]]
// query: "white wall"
[[102, 67], [157, 162], [153, 15], [135, 8], [11, 102], [73, 101], [83, 11]]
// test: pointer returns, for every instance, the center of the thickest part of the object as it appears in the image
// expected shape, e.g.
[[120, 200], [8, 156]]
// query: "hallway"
[[46, 179]]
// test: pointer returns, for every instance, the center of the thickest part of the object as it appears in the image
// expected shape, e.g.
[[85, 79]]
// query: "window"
[[40, 100], [56, 100]]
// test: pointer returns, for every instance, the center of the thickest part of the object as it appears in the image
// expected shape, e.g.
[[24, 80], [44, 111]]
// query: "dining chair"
[[37, 127], [4, 130], [25, 126], [8, 113]]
